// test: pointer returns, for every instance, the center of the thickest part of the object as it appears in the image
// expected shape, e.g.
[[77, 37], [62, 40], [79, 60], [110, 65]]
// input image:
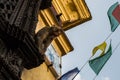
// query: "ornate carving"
[[19, 46]]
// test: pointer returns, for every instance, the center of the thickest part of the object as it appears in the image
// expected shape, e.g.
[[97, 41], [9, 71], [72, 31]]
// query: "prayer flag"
[[70, 75], [102, 47], [114, 16], [97, 63]]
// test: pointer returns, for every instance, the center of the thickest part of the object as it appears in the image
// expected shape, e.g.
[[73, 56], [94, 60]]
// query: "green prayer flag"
[[113, 21], [97, 63]]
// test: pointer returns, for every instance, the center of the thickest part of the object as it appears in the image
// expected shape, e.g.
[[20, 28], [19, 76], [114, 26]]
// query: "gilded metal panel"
[[76, 11], [67, 14]]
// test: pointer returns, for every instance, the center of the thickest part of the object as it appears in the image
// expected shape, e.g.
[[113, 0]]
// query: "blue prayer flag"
[[70, 75]]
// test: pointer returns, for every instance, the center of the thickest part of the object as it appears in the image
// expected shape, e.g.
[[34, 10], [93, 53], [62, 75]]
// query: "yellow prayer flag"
[[102, 47]]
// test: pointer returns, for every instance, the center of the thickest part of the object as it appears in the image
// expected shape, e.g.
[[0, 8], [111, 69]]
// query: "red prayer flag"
[[116, 13]]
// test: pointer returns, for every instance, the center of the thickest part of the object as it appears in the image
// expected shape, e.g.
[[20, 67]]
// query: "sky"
[[86, 36]]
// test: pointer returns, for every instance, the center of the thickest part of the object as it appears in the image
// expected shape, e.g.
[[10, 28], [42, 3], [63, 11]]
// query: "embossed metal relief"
[[66, 13]]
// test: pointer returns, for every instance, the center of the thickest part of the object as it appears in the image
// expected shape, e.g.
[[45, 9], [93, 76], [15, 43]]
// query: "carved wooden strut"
[[20, 47]]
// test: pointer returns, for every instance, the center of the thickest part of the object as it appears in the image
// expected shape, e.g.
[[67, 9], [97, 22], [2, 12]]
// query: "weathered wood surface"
[[20, 47]]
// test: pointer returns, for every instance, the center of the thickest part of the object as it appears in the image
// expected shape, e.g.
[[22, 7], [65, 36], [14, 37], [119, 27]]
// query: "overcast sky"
[[90, 34]]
